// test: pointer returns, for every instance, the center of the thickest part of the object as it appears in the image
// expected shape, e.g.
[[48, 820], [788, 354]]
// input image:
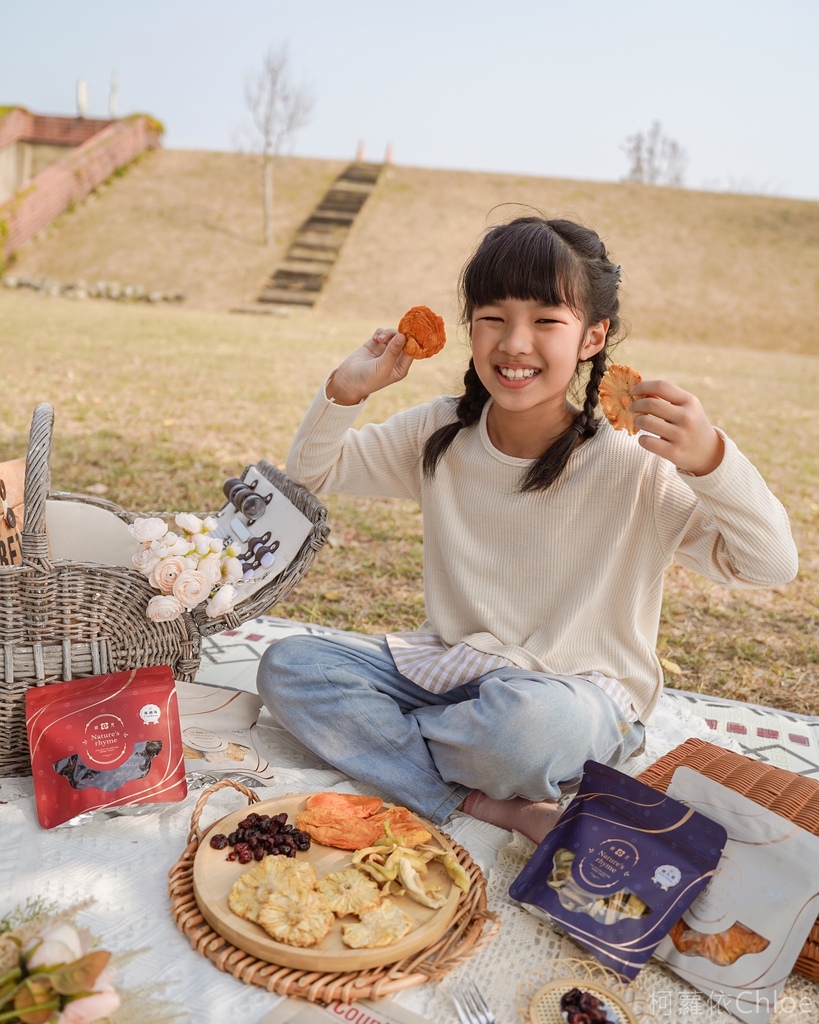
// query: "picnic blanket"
[[121, 862]]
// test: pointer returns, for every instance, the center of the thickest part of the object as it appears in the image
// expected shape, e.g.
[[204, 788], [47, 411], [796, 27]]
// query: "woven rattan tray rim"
[[794, 796], [472, 927]]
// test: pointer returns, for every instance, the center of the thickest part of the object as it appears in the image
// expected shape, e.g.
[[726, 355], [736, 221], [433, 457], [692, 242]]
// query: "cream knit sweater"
[[567, 580]]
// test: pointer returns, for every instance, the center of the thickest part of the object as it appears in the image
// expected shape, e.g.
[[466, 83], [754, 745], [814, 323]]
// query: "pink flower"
[[164, 608], [149, 529], [191, 587], [222, 601], [101, 1002], [166, 572]]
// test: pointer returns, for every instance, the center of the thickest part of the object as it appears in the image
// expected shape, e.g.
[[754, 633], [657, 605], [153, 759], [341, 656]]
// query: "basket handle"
[[196, 832], [38, 481]]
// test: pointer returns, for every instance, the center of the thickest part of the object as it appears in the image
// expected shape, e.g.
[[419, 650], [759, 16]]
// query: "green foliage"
[[153, 122]]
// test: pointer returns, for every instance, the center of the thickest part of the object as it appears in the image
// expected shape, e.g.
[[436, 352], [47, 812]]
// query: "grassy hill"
[[155, 406], [714, 269]]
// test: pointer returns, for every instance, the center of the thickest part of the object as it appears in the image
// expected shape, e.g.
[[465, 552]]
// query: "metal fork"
[[470, 1005]]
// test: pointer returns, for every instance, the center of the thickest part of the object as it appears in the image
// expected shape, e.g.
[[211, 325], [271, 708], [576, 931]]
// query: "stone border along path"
[[94, 290], [299, 278]]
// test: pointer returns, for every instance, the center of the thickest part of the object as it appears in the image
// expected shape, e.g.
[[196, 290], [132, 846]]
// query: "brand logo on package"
[[667, 876], [105, 739], [150, 714], [608, 863]]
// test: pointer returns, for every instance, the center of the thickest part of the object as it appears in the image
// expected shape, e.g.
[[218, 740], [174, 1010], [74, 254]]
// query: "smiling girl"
[[546, 537]]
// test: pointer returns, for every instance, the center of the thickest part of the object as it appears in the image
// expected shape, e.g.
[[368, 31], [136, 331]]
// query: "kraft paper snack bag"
[[739, 940]]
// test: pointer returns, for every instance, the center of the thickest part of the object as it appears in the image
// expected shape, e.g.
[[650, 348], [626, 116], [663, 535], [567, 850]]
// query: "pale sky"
[[543, 87]]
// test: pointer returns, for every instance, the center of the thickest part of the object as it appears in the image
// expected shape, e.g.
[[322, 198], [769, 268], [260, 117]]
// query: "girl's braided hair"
[[554, 263]]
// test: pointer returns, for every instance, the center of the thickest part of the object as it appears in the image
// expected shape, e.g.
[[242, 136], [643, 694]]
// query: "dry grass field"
[[158, 405]]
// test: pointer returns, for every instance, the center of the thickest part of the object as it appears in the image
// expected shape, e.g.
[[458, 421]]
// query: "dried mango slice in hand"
[[615, 396], [424, 330]]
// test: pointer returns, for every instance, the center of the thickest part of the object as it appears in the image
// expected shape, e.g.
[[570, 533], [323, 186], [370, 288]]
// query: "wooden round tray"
[[214, 875], [451, 935]]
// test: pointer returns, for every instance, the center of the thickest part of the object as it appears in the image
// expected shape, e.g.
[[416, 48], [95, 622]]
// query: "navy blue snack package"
[[620, 867]]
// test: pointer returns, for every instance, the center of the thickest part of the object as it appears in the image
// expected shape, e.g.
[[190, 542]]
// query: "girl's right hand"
[[378, 363]]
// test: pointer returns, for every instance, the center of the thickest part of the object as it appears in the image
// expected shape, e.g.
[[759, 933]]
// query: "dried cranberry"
[[219, 841]]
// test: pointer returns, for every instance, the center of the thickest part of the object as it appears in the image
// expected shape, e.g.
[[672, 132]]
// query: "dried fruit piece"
[[348, 891], [381, 926], [722, 948], [251, 890], [425, 332], [296, 918], [348, 804], [341, 822], [615, 396]]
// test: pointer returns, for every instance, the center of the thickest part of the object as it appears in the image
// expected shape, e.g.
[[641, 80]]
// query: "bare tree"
[[278, 109], [653, 158]]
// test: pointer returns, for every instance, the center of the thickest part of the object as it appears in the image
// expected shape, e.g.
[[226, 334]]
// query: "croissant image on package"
[[424, 330]]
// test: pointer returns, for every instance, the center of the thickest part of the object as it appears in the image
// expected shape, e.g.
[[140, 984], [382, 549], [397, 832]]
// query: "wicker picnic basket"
[[62, 619], [794, 796]]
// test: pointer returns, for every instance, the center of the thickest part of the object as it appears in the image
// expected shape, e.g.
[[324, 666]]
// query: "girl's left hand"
[[677, 427]]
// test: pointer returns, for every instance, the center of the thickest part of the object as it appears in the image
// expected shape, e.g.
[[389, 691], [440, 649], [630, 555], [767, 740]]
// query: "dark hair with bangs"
[[553, 262]]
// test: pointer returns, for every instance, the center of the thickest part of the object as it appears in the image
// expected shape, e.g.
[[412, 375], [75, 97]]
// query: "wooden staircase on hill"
[[300, 277]]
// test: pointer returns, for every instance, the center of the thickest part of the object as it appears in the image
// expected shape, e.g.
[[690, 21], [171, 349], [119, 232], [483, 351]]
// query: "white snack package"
[[219, 732], [739, 940]]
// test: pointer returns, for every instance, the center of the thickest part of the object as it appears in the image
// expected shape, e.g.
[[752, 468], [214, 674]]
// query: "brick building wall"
[[105, 148]]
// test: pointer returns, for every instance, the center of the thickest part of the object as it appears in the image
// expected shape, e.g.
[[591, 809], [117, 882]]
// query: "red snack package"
[[105, 742]]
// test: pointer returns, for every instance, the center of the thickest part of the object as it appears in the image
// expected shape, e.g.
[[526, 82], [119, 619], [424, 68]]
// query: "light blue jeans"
[[508, 733]]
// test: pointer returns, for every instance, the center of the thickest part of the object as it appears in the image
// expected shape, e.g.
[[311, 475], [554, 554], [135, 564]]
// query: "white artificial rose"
[[216, 545], [181, 547], [144, 560], [164, 608], [188, 522], [59, 944], [232, 570], [165, 573], [201, 544], [145, 530], [192, 587], [222, 601], [211, 566]]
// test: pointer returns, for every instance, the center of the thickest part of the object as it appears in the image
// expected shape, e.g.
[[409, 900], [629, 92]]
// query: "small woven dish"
[[538, 994], [472, 926]]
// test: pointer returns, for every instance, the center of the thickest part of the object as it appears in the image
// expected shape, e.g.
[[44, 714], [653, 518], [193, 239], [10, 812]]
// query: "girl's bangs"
[[520, 261]]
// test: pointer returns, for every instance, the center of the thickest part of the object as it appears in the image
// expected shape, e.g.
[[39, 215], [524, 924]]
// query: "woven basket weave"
[[794, 796], [63, 619]]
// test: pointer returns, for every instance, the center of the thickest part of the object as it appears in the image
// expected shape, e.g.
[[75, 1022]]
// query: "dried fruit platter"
[[214, 875]]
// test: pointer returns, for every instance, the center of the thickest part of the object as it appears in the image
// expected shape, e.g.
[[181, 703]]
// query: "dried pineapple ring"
[[381, 926], [349, 891], [273, 874], [615, 396], [296, 918]]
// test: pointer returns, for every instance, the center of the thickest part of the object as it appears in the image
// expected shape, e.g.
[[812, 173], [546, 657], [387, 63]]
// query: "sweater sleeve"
[[726, 525], [329, 455]]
